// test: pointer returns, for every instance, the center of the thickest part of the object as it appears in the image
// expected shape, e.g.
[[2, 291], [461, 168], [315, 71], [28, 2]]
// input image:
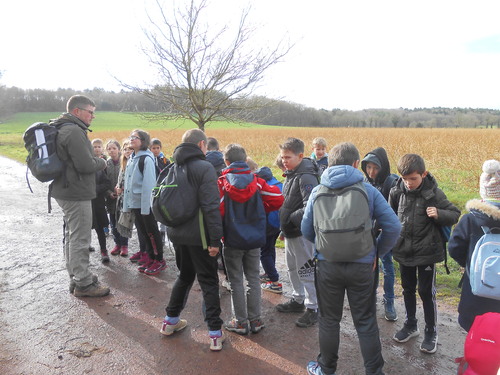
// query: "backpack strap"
[[141, 165]]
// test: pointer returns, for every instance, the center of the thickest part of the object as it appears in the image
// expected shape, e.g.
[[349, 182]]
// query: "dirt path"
[[45, 330]]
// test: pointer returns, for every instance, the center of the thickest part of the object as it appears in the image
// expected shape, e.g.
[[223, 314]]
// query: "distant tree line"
[[276, 112]]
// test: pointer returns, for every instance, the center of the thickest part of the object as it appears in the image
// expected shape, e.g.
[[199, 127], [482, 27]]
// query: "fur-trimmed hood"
[[484, 211]]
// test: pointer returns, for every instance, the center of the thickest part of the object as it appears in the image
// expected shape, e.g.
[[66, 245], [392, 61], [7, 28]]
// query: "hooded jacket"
[[461, 246], [241, 184], [420, 242], [384, 180], [297, 187], [204, 230], [340, 176], [74, 148], [139, 185]]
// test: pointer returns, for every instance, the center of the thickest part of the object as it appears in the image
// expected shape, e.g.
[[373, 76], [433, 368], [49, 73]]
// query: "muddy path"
[[46, 330]]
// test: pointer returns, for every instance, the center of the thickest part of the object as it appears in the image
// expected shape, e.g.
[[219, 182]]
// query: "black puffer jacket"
[[202, 175], [296, 190], [420, 241]]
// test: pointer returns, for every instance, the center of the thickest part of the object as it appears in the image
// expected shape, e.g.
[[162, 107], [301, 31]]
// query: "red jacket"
[[240, 184]]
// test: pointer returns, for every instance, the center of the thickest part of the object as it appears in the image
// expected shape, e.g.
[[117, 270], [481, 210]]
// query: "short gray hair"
[[194, 136]]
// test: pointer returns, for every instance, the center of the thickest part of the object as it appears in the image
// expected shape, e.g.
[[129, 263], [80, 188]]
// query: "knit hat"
[[372, 158], [489, 182]]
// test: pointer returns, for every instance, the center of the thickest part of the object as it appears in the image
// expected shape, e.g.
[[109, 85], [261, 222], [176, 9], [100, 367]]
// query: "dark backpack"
[[175, 199], [141, 165], [42, 160], [244, 223], [342, 223]]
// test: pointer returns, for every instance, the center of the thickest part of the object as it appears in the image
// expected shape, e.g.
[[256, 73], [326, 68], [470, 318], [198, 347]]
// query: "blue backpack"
[[244, 223], [484, 272]]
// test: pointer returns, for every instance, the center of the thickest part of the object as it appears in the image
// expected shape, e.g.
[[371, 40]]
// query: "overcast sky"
[[348, 54]]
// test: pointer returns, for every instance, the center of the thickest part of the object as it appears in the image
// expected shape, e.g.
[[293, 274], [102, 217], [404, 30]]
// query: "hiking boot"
[[264, 278], [168, 329], [291, 306], [406, 333], [104, 256], [272, 287], [136, 256], [144, 258], [429, 345], [143, 267], [124, 251], [309, 318], [390, 311], [256, 325], [92, 290], [116, 250], [237, 327], [156, 267], [313, 368], [72, 283], [217, 341]]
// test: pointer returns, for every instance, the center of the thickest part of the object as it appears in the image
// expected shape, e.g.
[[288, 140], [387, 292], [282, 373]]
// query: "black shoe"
[[291, 306], [429, 345], [406, 333], [309, 318]]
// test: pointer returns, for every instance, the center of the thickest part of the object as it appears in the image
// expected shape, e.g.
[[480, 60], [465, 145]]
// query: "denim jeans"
[[268, 257], [388, 270]]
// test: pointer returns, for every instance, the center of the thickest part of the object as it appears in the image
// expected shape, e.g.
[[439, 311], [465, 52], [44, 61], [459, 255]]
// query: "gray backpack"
[[342, 223]]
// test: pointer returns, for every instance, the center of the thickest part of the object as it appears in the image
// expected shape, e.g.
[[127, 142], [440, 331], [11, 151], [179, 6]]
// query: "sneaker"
[[92, 290], [72, 283], [136, 256], [272, 287], [390, 311], [144, 258], [256, 325], [143, 267], [106, 231], [264, 278], [406, 333], [104, 256], [429, 345], [235, 326], [309, 318], [291, 306], [313, 368], [216, 342], [226, 284], [116, 250], [168, 329], [156, 267], [124, 251], [91, 249]]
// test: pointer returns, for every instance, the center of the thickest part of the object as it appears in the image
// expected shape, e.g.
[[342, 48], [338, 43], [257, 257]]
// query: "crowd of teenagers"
[[110, 184]]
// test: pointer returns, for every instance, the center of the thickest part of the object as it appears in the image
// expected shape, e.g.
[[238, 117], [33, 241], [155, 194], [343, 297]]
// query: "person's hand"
[[432, 212], [213, 251], [118, 191]]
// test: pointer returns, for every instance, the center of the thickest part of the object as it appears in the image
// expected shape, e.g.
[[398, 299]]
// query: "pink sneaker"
[[144, 259], [156, 267], [136, 256], [124, 251], [116, 250], [146, 265]]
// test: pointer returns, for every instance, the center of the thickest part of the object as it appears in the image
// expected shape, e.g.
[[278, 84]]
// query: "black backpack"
[[42, 160], [244, 223], [175, 199]]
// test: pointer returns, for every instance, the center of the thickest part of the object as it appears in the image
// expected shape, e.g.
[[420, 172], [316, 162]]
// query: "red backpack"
[[482, 347]]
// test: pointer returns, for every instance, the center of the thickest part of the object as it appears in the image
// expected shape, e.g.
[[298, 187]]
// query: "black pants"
[[333, 280], [147, 227], [425, 278], [195, 262]]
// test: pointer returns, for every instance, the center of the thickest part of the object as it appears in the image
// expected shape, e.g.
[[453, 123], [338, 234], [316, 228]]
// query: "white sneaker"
[[168, 329], [216, 342]]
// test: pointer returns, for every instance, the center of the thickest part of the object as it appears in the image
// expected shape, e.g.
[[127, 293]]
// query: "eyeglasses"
[[88, 110], [132, 137]]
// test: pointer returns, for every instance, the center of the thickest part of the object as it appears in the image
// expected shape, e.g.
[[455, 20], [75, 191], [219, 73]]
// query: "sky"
[[353, 55]]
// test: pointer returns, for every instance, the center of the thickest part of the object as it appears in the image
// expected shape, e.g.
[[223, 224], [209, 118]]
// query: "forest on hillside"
[[275, 112]]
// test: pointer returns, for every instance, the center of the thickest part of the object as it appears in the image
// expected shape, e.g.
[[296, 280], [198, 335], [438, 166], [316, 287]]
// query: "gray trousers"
[[238, 263], [77, 237], [299, 255], [333, 280]]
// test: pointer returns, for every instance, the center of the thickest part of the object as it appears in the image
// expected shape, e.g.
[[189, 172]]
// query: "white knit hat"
[[489, 182]]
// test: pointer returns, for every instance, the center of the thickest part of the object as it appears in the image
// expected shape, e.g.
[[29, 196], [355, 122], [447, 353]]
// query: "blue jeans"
[[388, 270], [268, 257]]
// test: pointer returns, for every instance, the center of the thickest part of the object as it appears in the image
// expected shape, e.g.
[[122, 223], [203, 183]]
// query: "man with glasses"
[[74, 191]]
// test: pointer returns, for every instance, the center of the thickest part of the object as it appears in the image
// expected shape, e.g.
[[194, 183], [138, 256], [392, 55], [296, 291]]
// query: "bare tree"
[[205, 75]]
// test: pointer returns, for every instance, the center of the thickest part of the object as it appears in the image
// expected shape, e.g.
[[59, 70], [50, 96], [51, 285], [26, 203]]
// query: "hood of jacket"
[[340, 176], [485, 212], [265, 173], [216, 158], [68, 117], [186, 151], [385, 167], [238, 181]]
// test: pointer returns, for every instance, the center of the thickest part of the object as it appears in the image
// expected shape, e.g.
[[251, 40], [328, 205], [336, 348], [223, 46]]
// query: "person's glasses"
[[132, 137], [88, 110]]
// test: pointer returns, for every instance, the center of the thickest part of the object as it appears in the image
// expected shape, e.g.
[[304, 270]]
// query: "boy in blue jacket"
[[356, 277]]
